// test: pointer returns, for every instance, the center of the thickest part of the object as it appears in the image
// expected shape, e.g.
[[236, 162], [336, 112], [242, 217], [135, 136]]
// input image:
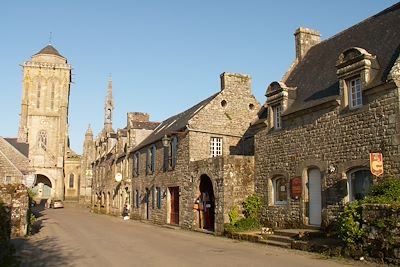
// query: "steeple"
[[89, 131], [108, 108]]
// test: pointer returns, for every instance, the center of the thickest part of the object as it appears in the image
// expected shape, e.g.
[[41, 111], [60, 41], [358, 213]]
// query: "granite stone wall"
[[326, 136]]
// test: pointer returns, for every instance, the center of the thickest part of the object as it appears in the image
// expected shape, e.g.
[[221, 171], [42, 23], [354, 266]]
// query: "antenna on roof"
[[50, 37]]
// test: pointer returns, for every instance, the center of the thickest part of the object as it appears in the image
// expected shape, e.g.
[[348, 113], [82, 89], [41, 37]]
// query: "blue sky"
[[164, 56]]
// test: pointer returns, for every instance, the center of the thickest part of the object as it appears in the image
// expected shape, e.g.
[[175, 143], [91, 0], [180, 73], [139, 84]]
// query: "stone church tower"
[[88, 155], [44, 119]]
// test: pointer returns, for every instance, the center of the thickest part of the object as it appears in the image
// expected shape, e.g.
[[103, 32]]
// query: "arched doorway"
[[207, 203], [42, 187]]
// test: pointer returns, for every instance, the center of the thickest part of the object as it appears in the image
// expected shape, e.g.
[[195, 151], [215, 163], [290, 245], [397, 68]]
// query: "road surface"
[[75, 237]]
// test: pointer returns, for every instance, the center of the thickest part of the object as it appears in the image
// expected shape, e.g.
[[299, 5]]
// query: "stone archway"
[[43, 187], [207, 203]]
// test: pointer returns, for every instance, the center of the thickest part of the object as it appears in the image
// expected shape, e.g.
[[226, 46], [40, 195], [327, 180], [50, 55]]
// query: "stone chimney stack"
[[305, 39], [133, 117], [235, 81]]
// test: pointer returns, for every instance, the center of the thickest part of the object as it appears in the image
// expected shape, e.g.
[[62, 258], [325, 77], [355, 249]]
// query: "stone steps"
[[277, 243]]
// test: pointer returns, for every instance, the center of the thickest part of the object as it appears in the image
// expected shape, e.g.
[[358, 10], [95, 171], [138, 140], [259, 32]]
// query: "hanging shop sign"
[[295, 187], [376, 163]]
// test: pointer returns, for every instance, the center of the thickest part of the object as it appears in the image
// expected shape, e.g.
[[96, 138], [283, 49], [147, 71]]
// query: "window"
[[216, 146], [71, 180], [150, 160], [279, 191], [158, 191], [359, 182], [7, 179], [277, 117], [42, 139], [355, 93], [38, 95]]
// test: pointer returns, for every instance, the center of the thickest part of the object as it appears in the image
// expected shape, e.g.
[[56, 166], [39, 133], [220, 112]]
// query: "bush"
[[385, 192], [245, 224], [234, 215], [350, 224], [252, 206]]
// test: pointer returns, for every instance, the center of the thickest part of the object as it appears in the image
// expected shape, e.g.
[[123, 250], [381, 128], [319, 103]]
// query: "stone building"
[[109, 158], [197, 159], [338, 102], [14, 169], [44, 123], [87, 158]]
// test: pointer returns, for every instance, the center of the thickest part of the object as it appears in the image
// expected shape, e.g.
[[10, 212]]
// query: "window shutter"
[[174, 151], [166, 155], [147, 161], [159, 197], [153, 158]]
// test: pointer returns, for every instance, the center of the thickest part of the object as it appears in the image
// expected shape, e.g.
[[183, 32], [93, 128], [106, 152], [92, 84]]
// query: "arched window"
[[279, 191], [359, 182], [71, 180], [42, 139]]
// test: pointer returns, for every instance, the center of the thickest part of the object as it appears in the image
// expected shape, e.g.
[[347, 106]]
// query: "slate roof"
[[315, 75], [23, 148], [174, 124], [49, 50]]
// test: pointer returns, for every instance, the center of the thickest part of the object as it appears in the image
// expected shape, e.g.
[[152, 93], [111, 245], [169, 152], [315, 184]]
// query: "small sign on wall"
[[295, 187], [376, 163]]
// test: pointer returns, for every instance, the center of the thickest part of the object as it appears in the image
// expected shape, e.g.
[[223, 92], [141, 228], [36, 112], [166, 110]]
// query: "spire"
[[108, 107], [89, 130]]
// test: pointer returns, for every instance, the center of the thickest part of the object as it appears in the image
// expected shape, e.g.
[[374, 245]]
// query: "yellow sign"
[[376, 163]]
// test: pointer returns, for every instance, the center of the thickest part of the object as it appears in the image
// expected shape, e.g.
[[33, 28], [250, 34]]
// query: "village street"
[[76, 237]]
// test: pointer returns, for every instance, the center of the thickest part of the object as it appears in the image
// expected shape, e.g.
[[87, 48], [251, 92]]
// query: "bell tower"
[[44, 116]]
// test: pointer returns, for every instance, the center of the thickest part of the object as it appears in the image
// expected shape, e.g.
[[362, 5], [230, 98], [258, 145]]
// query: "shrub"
[[252, 206], [350, 224], [233, 215], [385, 192]]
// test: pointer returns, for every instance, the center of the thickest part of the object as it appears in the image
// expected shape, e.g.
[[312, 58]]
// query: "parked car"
[[55, 204]]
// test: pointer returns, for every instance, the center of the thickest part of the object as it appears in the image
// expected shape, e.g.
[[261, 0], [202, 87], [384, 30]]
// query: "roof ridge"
[[380, 13]]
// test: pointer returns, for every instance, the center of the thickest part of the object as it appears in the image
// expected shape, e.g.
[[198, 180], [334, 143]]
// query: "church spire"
[[108, 107]]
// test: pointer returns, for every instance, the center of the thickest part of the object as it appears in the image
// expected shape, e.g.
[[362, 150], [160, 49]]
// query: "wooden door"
[[174, 191]]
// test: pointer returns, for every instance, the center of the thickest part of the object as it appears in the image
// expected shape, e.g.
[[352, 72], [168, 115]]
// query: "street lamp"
[[165, 140]]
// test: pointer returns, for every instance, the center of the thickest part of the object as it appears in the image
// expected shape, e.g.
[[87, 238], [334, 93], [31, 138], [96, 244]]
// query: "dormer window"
[[279, 98], [355, 93], [355, 69]]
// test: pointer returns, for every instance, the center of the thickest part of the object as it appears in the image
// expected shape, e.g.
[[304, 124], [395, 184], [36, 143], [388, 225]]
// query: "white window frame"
[[275, 192], [355, 93], [216, 146], [277, 116]]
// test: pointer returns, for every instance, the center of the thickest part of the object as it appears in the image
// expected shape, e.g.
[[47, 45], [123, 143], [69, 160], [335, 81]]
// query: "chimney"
[[233, 81], [305, 39], [137, 117]]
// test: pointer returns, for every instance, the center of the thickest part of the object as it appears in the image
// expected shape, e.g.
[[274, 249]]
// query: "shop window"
[[359, 183]]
